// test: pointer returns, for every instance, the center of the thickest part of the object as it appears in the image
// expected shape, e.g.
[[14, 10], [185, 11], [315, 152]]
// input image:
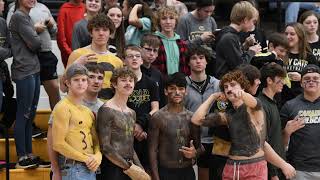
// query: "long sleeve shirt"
[[26, 45], [5, 51], [74, 131]]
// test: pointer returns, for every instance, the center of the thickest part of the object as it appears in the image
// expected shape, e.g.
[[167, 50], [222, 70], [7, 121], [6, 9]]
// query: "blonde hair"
[[167, 11], [242, 10]]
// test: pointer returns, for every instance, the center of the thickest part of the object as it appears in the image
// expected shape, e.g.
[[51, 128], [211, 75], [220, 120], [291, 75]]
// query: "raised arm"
[[199, 117], [133, 16], [249, 100]]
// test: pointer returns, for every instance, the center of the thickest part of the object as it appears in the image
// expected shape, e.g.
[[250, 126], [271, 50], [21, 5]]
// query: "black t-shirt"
[[145, 91], [156, 76], [295, 64], [304, 145], [315, 49], [274, 130]]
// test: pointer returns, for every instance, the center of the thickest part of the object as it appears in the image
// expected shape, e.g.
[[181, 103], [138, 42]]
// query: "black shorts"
[[177, 173], [205, 159], [48, 66]]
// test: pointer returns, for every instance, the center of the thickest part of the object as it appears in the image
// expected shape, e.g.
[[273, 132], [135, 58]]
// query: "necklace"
[[198, 85]]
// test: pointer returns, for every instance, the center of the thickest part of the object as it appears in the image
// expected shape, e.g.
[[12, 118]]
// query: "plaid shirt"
[[161, 62]]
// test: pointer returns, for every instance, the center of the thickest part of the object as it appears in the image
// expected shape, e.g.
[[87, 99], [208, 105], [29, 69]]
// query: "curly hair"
[[237, 76], [122, 73], [167, 11], [101, 20]]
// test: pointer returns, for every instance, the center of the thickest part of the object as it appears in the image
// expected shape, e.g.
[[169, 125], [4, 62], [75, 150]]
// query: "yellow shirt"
[[108, 61], [73, 131]]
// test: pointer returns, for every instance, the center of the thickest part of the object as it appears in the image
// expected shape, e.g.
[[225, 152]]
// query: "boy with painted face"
[[115, 127], [301, 117], [173, 140], [246, 122]]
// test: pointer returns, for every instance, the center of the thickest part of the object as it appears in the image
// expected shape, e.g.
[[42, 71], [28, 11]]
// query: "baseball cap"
[[310, 68]]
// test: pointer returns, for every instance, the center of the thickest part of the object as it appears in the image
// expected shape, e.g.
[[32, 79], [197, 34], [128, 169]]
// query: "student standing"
[[25, 72], [69, 13], [73, 130], [243, 17], [115, 127]]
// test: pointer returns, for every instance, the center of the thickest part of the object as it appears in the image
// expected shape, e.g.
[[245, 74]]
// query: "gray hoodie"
[[194, 99]]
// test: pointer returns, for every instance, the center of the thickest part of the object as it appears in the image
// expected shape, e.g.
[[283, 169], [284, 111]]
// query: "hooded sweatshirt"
[[230, 52], [172, 51], [69, 14]]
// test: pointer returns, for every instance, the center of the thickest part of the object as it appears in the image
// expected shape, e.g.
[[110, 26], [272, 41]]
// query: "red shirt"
[[69, 14]]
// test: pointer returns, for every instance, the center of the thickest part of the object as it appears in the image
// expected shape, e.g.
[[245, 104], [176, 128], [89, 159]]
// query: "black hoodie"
[[230, 52]]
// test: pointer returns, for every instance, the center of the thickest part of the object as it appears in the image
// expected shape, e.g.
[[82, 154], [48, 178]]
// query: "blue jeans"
[[77, 171], [292, 10], [28, 91]]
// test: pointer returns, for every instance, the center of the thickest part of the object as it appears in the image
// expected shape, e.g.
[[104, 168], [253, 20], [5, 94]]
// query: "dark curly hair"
[[194, 49], [101, 20], [122, 72], [237, 76]]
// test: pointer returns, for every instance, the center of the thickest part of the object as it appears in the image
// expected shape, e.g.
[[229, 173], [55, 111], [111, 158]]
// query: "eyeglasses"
[[131, 56], [151, 49]]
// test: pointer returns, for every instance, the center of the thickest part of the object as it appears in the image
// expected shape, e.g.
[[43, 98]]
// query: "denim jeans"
[[28, 91], [77, 171], [292, 10]]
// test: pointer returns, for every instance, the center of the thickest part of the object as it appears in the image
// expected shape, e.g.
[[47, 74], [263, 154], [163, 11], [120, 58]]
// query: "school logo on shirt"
[[222, 105], [139, 97], [296, 64], [310, 116], [316, 53]]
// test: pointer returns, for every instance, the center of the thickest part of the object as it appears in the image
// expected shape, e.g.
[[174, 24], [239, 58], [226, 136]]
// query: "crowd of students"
[[154, 90]]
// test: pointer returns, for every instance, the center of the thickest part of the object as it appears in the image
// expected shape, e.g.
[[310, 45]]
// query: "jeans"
[[292, 10], [77, 171], [28, 91]]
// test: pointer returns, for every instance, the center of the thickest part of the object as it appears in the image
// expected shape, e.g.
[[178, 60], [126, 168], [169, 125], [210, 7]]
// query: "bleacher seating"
[[39, 148]]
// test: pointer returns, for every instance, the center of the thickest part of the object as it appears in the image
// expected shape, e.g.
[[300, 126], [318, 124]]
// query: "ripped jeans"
[[27, 92]]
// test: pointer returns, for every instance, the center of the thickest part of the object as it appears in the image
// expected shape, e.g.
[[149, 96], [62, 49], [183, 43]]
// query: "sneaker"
[[41, 163], [44, 164], [27, 163], [36, 132]]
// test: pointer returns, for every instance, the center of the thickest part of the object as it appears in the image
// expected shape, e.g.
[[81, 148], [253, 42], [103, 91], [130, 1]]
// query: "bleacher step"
[[32, 174], [39, 148]]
